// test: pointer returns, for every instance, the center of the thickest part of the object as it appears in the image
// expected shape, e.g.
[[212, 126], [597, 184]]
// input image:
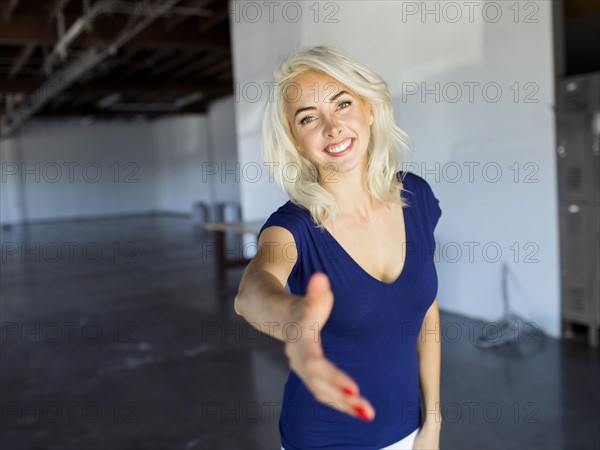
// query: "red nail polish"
[[346, 390], [361, 413]]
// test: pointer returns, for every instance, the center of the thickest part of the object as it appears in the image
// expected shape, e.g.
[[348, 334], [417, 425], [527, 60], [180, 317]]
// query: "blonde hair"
[[389, 146]]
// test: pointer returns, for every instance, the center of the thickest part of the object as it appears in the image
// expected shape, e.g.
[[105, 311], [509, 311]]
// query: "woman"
[[356, 230]]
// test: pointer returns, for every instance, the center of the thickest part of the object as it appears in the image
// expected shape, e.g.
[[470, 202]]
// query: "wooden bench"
[[222, 262]]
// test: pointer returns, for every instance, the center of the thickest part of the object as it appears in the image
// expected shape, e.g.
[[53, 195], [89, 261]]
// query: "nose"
[[331, 127]]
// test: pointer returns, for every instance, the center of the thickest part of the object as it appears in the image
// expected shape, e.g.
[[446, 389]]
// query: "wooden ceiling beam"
[[28, 30], [126, 87], [216, 68], [220, 15], [172, 23], [170, 45], [199, 108], [33, 29], [146, 63], [184, 37], [20, 60], [173, 63], [167, 87], [109, 65], [78, 100], [7, 9], [56, 8], [60, 100], [201, 64], [25, 85], [574, 8]]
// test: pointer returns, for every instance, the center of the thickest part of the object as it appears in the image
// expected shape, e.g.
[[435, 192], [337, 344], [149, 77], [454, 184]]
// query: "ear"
[[371, 117]]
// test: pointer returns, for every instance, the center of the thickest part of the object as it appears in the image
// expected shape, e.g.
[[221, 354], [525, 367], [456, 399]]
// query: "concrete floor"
[[126, 342]]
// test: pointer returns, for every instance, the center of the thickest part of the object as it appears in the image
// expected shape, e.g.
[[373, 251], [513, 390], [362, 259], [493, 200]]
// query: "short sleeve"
[[289, 221], [280, 219], [430, 201], [435, 211]]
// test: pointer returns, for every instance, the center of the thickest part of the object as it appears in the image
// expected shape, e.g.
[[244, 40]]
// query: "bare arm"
[[429, 350], [262, 299]]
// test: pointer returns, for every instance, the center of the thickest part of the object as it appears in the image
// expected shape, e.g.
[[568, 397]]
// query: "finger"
[[356, 406], [331, 382], [332, 396]]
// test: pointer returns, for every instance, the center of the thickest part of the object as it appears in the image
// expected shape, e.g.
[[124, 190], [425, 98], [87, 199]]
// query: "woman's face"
[[329, 122]]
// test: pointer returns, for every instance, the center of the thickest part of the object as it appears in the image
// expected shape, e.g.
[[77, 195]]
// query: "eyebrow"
[[334, 98]]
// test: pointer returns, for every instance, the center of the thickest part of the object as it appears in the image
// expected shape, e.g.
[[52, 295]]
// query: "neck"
[[349, 189]]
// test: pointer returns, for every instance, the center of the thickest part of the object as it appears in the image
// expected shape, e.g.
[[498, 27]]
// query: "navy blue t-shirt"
[[371, 333]]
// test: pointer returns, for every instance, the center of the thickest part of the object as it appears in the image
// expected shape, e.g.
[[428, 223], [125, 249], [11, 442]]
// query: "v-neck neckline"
[[407, 238]]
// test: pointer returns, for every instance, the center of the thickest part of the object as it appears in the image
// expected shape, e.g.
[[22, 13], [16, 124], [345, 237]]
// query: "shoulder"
[[291, 211], [421, 189], [413, 180], [415, 184], [290, 216]]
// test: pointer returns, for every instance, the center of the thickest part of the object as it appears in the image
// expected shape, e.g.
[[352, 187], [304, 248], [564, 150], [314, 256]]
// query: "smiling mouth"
[[340, 148]]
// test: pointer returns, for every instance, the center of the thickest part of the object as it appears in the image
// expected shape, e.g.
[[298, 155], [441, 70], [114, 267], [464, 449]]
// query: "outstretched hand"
[[324, 380]]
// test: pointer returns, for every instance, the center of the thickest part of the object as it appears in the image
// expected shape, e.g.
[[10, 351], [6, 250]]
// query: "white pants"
[[405, 443]]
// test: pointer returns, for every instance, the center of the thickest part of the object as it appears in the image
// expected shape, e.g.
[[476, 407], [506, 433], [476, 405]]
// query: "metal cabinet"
[[578, 162]]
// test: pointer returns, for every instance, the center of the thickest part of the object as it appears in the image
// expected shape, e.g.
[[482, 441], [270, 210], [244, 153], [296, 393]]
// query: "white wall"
[[221, 171], [70, 169], [253, 68], [143, 166], [515, 214], [10, 187], [181, 147], [194, 154]]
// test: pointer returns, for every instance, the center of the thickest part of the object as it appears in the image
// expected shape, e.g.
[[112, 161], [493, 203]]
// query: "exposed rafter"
[[220, 15], [111, 57], [197, 4], [7, 9], [20, 61], [106, 87], [172, 63], [56, 8], [200, 64], [575, 8], [33, 29], [146, 63]]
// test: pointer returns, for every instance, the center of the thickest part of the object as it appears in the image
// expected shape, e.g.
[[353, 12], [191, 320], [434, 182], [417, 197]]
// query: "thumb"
[[319, 294]]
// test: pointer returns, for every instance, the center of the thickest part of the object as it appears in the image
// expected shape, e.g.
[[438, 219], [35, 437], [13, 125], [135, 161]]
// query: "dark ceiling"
[[581, 37], [575, 8], [111, 58], [122, 59]]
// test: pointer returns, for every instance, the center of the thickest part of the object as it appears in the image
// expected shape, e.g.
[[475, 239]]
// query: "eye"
[[304, 121]]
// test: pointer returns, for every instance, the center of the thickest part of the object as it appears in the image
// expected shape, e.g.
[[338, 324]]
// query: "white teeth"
[[339, 148]]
